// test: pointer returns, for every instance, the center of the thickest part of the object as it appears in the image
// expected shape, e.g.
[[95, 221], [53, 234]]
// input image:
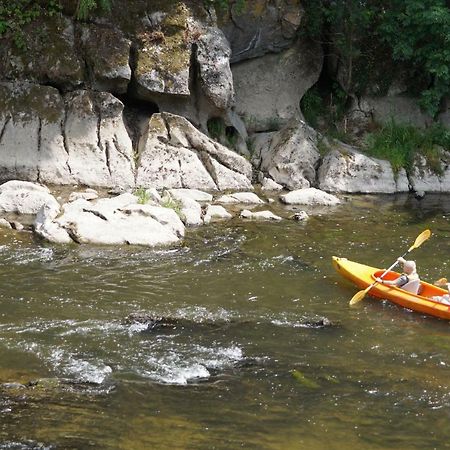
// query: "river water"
[[244, 361]]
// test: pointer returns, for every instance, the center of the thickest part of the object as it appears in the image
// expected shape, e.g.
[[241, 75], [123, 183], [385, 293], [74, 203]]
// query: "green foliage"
[[400, 143], [85, 7], [216, 128], [372, 41], [312, 106], [142, 195], [15, 15], [418, 32], [170, 202]]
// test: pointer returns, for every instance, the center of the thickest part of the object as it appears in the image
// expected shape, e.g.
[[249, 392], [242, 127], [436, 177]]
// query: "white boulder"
[[240, 197], [309, 196], [345, 169], [216, 212], [24, 197], [259, 215]]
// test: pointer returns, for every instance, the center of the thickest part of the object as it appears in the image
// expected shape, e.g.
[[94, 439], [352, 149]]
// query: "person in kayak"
[[443, 298], [408, 280]]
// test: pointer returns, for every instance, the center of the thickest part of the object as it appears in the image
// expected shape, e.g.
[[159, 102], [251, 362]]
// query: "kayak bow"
[[363, 276]]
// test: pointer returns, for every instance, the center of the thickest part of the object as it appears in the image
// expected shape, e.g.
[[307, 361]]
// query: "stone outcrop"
[[262, 27], [344, 169], [269, 89], [118, 220], [58, 63], [174, 154], [424, 179], [289, 156], [78, 138]]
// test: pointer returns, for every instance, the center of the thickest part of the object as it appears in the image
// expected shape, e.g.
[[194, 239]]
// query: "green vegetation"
[[142, 195], [170, 202], [85, 7], [15, 15], [400, 144], [374, 42], [216, 128]]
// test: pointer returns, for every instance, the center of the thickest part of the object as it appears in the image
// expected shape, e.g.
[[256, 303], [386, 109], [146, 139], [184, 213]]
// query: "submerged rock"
[[260, 215]]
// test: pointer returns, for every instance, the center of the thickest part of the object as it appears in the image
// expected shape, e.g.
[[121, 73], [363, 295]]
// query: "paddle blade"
[[441, 282], [359, 296], [420, 239]]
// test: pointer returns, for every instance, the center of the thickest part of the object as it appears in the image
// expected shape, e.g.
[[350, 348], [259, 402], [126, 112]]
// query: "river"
[[245, 362]]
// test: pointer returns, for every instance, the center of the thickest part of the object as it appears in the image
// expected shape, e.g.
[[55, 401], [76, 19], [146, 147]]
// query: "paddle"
[[417, 243]]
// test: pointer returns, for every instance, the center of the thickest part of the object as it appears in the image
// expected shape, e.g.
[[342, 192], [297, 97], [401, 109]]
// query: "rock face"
[[58, 63], [120, 220], [79, 138], [174, 154], [345, 169], [289, 156], [261, 27], [422, 178], [269, 89]]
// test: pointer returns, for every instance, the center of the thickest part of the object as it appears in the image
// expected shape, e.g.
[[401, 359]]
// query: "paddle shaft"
[[387, 270]]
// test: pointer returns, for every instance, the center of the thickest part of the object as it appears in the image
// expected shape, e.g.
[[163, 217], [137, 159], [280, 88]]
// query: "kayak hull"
[[363, 276]]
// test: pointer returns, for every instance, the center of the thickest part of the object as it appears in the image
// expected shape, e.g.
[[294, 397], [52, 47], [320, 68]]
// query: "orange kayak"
[[363, 276]]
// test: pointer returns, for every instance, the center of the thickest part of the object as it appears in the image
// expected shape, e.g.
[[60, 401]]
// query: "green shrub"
[[142, 195], [399, 144], [216, 128], [312, 106]]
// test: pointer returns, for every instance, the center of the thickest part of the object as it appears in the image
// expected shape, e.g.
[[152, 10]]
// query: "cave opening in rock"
[[136, 115]]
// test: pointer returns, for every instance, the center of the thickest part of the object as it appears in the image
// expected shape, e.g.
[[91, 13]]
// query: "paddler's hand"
[[379, 280]]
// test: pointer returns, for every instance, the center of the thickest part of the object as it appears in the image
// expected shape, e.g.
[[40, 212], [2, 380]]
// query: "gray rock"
[[5, 224], [345, 169], [240, 197], [216, 212], [107, 54], [84, 195], [423, 178], [194, 194], [269, 89], [290, 156], [118, 220], [17, 225], [259, 215], [269, 185], [262, 27], [310, 196], [23, 197], [300, 216], [177, 155], [78, 139]]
